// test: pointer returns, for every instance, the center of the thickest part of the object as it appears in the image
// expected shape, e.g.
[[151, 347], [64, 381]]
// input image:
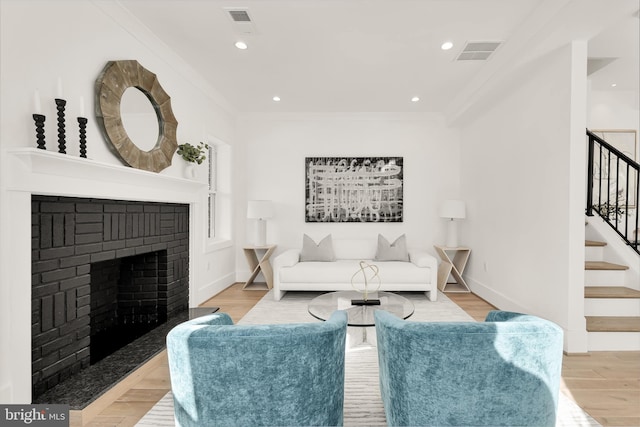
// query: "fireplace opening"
[[125, 301]]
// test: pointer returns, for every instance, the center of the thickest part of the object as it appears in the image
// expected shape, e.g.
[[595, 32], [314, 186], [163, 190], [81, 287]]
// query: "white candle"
[[82, 106], [36, 102], [59, 92]]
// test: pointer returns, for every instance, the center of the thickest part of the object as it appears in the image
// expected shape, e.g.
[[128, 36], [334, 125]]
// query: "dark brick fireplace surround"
[[73, 239]]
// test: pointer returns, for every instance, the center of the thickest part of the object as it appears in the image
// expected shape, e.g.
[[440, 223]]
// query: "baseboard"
[[211, 289], [243, 274], [492, 297]]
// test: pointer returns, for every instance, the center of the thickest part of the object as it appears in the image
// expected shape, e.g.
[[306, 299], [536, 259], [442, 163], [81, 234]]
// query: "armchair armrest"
[[508, 316], [210, 320]]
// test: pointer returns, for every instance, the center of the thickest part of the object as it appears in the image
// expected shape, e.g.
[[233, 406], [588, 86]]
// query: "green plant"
[[192, 153]]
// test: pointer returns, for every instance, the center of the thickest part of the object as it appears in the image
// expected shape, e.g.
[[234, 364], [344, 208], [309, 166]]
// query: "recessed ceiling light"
[[241, 45], [415, 99], [276, 98], [614, 84], [446, 46]]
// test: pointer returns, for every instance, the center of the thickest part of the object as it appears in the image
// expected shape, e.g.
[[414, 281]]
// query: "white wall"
[[613, 109], [42, 41], [274, 160], [522, 178]]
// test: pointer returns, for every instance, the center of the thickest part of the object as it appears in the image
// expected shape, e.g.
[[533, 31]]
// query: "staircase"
[[612, 309], [612, 248]]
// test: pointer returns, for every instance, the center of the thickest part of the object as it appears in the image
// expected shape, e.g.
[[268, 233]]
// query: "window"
[[213, 189], [219, 193]]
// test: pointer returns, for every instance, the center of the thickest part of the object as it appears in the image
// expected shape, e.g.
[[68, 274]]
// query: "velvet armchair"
[[504, 371], [257, 375]]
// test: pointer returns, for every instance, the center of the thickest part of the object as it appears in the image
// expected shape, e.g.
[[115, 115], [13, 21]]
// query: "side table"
[[258, 260], [454, 267]]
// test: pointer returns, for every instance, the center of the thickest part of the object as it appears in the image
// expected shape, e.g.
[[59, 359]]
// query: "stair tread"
[[613, 324], [603, 265], [610, 292], [594, 243]]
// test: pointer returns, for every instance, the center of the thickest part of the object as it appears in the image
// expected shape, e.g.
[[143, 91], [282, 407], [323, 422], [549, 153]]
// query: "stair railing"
[[613, 188]]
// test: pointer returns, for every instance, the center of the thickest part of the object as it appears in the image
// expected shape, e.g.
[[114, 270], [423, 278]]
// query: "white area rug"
[[362, 402]]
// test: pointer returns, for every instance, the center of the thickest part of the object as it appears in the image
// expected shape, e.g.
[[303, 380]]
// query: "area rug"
[[362, 403]]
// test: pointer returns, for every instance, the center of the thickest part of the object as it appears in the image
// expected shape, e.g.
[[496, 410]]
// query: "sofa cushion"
[[312, 251], [341, 271], [396, 251]]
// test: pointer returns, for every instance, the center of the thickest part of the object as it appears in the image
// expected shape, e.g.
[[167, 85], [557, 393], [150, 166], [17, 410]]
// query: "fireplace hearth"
[[104, 272]]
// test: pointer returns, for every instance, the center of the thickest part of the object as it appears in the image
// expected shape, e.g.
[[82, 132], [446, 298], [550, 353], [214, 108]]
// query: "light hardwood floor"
[[605, 384]]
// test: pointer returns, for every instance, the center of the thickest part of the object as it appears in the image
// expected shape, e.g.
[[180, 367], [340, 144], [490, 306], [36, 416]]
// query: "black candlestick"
[[82, 122], [39, 119], [60, 104]]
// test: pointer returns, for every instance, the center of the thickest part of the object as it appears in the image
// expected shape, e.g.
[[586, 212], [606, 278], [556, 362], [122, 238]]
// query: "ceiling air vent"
[[477, 51], [240, 19], [239, 15]]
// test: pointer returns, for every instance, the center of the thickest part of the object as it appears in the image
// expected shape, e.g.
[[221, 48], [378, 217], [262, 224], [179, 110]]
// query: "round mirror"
[[111, 85], [139, 119]]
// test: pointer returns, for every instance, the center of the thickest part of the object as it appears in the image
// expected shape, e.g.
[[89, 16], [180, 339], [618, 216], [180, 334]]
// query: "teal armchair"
[[504, 371], [257, 375]]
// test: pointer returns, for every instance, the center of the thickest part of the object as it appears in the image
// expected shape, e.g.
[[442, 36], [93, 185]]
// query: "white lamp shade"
[[259, 209], [454, 209]]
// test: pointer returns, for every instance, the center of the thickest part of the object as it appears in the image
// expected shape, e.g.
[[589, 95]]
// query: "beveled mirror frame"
[[113, 81]]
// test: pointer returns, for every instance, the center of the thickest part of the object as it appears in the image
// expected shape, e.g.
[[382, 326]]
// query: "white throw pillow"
[[312, 251], [396, 251]]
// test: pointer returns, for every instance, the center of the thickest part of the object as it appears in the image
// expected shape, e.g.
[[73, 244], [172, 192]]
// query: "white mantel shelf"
[[50, 173]]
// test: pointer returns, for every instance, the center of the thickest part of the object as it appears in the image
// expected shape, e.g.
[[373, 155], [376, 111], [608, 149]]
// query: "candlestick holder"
[[39, 119], [60, 105], [82, 123]]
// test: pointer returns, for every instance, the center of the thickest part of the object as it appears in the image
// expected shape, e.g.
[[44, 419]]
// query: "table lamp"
[[260, 210], [452, 209]]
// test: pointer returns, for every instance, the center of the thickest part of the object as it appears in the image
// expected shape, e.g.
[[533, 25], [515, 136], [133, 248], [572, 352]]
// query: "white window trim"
[[219, 185]]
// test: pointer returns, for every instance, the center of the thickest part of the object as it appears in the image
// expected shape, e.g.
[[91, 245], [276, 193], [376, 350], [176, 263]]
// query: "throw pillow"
[[312, 251], [396, 251]]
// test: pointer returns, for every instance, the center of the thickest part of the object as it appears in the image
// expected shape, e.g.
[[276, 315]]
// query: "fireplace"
[[103, 273]]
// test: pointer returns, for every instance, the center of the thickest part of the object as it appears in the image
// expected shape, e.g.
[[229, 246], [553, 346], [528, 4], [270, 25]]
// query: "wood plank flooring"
[[605, 384]]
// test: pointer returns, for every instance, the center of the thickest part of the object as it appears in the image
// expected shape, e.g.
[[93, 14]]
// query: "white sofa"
[[289, 274]]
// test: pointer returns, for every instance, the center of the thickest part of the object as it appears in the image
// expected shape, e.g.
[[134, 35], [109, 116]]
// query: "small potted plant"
[[193, 154]]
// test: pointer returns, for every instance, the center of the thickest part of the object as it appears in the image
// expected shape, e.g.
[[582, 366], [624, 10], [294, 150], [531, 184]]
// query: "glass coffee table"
[[360, 316]]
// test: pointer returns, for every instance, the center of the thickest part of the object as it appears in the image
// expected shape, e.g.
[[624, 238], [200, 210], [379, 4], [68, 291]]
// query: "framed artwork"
[[354, 189], [626, 141]]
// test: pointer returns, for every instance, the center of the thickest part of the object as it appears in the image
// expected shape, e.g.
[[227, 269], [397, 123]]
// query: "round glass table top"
[[324, 305]]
